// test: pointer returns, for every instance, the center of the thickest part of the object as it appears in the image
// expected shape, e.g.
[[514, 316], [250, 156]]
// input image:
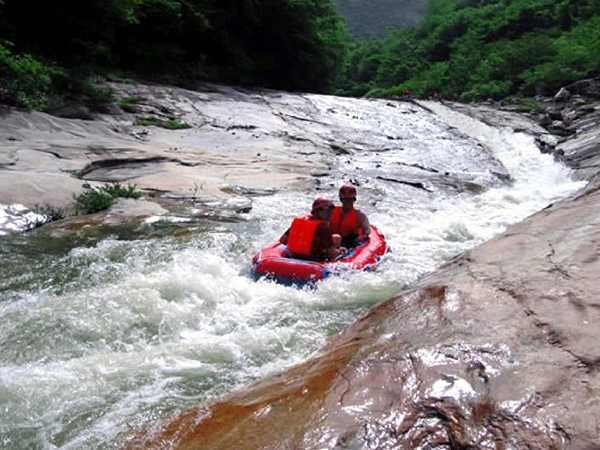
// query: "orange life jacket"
[[302, 234], [348, 226]]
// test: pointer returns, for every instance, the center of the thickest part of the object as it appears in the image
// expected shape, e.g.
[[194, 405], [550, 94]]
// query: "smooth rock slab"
[[254, 140]]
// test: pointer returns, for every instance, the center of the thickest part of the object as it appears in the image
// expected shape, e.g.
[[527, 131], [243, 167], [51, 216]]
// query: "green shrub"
[[495, 89], [29, 83], [101, 198], [129, 103], [576, 57], [25, 81], [96, 96], [169, 124], [431, 81], [92, 201], [475, 49], [117, 190], [80, 86]]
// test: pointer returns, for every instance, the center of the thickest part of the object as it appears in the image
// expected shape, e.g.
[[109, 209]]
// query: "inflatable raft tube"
[[274, 261]]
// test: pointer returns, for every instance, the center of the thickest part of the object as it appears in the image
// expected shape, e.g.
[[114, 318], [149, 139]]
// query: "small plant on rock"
[[129, 104], [101, 198], [117, 190], [170, 124]]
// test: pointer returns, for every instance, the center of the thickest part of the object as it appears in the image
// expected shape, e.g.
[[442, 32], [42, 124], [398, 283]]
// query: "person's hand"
[[336, 253]]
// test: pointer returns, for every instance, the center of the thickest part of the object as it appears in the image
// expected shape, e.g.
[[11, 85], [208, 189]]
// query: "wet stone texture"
[[565, 125], [496, 350], [237, 141]]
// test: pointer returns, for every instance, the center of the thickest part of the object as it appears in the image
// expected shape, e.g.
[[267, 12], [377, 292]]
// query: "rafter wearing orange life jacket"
[[346, 225], [302, 235]]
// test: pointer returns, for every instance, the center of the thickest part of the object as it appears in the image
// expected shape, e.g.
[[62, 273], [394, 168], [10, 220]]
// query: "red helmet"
[[321, 202], [347, 190]]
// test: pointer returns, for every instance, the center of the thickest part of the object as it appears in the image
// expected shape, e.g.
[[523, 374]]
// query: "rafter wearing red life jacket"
[[302, 235], [347, 226]]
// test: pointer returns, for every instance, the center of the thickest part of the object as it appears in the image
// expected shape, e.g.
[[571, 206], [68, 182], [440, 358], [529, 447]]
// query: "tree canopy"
[[462, 49], [473, 49], [287, 44]]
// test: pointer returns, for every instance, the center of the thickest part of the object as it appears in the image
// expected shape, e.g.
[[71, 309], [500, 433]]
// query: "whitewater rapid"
[[101, 337], [18, 218]]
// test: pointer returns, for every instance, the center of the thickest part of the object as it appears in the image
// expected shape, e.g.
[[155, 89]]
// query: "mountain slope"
[[372, 17]]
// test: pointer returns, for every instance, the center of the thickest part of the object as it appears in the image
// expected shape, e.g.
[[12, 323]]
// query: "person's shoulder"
[[360, 214]]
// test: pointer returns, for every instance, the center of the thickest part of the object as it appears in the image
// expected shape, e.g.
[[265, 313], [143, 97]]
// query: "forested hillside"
[[372, 17], [51, 52], [50, 47], [473, 49]]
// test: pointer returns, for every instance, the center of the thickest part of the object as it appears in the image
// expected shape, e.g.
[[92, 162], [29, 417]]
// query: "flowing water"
[[102, 334], [17, 218]]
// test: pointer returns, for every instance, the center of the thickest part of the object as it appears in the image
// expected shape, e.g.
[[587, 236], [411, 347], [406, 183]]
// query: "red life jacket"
[[348, 226], [302, 234]]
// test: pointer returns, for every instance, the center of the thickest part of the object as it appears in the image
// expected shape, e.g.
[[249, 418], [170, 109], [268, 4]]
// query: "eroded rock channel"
[[115, 334]]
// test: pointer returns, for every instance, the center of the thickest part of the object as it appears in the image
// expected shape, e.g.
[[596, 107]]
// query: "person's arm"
[[284, 237], [365, 226], [322, 242]]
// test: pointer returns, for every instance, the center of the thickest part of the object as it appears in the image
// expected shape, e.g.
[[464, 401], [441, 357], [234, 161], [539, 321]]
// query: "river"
[[103, 333]]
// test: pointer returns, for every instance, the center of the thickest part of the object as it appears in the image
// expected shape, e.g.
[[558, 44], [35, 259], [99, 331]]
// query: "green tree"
[[473, 49]]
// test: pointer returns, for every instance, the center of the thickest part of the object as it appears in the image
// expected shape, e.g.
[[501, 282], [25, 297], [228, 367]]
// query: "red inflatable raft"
[[274, 261]]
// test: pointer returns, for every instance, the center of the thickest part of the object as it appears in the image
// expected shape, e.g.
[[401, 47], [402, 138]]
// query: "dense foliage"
[[473, 49], [288, 44], [465, 49]]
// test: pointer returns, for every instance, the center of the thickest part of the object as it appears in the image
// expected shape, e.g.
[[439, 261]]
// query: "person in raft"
[[310, 237], [351, 224]]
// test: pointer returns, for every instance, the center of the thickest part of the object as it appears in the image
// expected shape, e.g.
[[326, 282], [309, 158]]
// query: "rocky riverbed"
[[497, 349], [233, 144], [116, 321]]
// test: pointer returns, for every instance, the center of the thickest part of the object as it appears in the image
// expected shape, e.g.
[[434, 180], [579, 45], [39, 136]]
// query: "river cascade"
[[103, 334]]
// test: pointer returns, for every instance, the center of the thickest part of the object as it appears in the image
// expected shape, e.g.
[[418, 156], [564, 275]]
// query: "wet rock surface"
[[574, 114], [234, 144], [237, 140], [14, 218], [567, 125]]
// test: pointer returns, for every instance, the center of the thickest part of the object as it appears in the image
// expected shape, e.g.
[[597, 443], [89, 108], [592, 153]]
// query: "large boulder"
[[223, 137], [589, 87]]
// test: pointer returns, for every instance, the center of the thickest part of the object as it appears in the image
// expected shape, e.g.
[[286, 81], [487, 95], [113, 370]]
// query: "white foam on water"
[[423, 238], [18, 218]]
